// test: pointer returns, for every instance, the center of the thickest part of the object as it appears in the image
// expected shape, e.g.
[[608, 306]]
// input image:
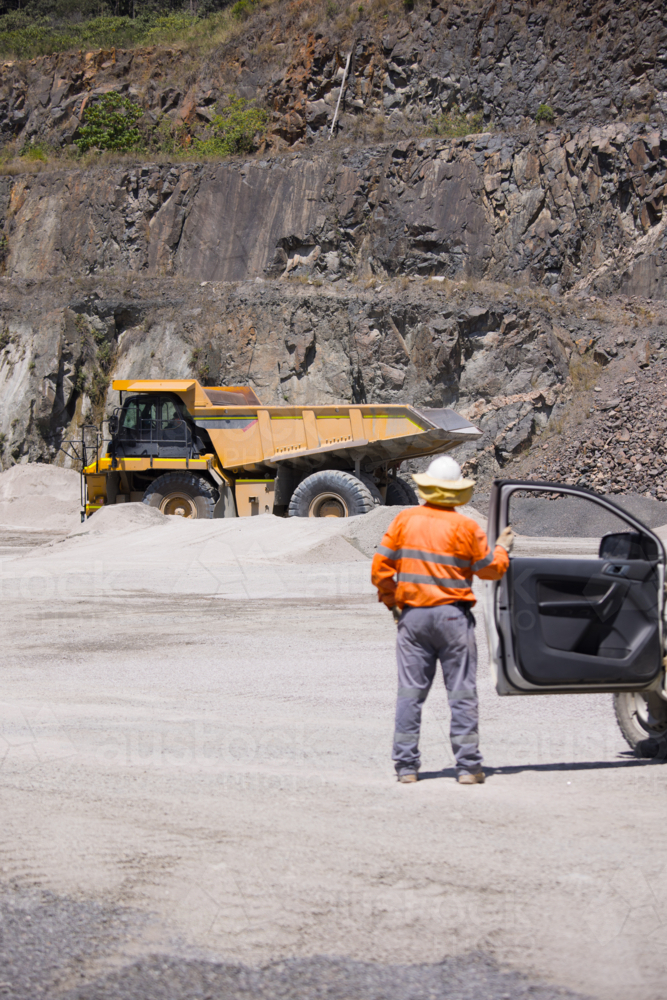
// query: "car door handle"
[[616, 569], [598, 608]]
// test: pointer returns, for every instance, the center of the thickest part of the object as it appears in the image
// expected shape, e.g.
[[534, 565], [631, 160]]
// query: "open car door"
[[581, 606]]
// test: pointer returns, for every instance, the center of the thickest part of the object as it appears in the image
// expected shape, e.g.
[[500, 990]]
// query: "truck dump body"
[[225, 434], [247, 433]]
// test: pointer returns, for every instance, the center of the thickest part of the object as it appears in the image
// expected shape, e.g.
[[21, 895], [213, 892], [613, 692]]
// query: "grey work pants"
[[426, 635]]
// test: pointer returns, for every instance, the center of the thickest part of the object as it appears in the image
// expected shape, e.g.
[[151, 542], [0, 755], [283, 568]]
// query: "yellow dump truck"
[[202, 452]]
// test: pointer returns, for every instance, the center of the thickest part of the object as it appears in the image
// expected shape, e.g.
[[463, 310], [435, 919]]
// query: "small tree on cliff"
[[236, 129], [110, 123]]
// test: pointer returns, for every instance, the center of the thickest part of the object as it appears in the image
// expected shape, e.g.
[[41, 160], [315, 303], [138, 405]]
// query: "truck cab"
[[156, 424]]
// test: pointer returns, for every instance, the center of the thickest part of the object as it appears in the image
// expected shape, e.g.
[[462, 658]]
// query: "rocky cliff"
[[509, 273], [589, 60], [565, 211], [517, 362]]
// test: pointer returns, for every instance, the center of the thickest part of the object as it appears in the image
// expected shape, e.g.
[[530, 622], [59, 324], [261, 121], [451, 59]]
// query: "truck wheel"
[[642, 718], [372, 489], [331, 494], [182, 494], [401, 492]]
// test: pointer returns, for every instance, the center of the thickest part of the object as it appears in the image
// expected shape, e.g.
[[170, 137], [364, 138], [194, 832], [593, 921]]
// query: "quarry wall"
[[495, 272]]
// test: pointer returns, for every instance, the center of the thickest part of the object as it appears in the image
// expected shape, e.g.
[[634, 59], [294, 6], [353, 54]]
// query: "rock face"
[[499, 362], [496, 273], [507, 360], [560, 210], [594, 61]]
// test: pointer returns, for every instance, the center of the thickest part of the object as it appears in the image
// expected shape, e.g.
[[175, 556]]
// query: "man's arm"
[[385, 564], [488, 565]]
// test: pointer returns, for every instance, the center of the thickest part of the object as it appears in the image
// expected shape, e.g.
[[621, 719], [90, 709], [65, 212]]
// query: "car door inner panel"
[[588, 621]]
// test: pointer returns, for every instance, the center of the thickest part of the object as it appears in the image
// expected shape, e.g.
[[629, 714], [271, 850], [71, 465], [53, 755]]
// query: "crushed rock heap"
[[622, 447]]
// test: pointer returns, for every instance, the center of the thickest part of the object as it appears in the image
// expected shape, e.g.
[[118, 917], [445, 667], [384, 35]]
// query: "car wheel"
[[642, 718]]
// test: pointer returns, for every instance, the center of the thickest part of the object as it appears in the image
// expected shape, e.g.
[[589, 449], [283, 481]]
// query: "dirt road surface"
[[198, 799]]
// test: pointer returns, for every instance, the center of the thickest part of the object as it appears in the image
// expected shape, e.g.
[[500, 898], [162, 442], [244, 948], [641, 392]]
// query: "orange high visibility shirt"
[[428, 556]]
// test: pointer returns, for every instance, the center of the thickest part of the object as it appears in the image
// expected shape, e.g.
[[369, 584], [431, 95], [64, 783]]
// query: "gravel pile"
[[622, 448], [40, 497]]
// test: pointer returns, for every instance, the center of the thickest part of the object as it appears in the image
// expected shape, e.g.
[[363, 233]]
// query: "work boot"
[[471, 778], [407, 778]]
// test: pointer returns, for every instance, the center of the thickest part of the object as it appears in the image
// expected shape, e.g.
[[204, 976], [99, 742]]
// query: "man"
[[175, 429], [423, 572]]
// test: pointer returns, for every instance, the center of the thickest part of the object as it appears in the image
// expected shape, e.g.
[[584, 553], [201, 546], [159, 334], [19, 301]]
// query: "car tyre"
[[642, 718]]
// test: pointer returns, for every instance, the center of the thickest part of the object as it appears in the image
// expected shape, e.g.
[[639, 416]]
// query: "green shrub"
[[98, 386], [454, 124], [242, 9], [104, 356], [235, 130], [48, 26], [110, 123], [545, 114]]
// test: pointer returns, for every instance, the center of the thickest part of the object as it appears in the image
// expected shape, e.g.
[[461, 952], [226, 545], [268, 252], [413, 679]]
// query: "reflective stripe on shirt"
[[437, 581], [486, 561], [432, 557], [389, 553]]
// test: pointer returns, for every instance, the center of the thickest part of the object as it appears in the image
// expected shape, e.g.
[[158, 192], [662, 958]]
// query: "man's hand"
[[396, 612], [506, 539]]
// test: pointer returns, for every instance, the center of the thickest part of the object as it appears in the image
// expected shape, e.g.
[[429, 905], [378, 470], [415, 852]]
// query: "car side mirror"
[[628, 545], [114, 424]]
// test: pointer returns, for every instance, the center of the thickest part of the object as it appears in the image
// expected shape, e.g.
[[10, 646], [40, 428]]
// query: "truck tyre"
[[330, 494], [401, 492], [642, 718], [372, 489], [182, 494]]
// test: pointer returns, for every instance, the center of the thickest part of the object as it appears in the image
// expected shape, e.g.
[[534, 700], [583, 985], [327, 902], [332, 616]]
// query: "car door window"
[[559, 524]]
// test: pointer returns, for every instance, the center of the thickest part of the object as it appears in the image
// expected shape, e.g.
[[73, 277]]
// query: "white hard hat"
[[443, 481], [444, 467]]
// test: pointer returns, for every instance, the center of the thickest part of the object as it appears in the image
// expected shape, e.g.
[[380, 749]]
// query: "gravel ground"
[[47, 941], [198, 798], [471, 977], [50, 944]]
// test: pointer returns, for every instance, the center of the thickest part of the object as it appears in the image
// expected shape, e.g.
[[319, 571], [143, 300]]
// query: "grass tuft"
[[455, 124]]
